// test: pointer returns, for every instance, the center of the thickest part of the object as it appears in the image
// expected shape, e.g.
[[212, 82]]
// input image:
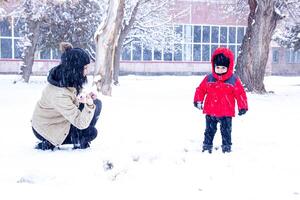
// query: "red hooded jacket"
[[221, 91]]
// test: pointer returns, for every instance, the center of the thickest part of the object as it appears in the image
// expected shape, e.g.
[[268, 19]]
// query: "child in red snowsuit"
[[216, 96]]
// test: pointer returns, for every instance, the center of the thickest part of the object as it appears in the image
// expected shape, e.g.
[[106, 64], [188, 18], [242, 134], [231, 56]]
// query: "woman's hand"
[[87, 98], [81, 98], [93, 95]]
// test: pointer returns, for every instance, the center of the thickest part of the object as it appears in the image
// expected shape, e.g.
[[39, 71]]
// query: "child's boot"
[[206, 147], [226, 148]]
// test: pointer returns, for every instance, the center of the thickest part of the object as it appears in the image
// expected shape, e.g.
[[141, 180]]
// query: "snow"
[[279, 12], [2, 12], [152, 135]]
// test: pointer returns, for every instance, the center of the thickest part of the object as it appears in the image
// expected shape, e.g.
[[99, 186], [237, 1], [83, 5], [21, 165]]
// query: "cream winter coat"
[[56, 111]]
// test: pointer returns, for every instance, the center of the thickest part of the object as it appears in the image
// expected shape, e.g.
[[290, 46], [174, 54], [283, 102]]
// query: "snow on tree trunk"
[[106, 43], [30, 44], [124, 32], [252, 61], [116, 67]]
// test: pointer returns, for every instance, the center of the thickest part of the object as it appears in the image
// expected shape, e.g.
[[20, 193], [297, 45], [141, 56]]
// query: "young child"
[[216, 96]]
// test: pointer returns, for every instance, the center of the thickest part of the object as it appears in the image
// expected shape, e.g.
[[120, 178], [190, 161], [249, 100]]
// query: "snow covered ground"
[[152, 134]]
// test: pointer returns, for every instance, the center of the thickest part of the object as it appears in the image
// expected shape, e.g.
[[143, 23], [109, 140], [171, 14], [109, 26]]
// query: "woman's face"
[[85, 70]]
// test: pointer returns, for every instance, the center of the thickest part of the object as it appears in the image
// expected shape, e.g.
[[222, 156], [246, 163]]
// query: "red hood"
[[228, 53]]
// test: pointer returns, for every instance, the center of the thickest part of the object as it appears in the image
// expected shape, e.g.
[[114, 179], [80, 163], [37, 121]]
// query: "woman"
[[61, 116]]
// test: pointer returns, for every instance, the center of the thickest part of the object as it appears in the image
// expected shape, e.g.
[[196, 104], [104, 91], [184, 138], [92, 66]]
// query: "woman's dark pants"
[[82, 138]]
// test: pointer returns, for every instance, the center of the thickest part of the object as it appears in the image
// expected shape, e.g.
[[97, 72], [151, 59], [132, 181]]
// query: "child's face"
[[220, 69]]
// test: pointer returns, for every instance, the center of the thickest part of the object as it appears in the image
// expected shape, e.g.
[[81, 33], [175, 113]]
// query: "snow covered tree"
[[148, 21], [106, 42], [2, 3], [47, 23], [251, 62], [288, 35], [74, 22], [2, 11], [264, 17], [32, 13]]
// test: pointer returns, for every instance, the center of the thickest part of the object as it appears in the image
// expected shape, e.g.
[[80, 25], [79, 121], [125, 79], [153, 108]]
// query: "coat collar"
[[55, 78]]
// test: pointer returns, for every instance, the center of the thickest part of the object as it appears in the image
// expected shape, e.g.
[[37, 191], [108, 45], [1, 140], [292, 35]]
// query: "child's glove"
[[198, 105], [242, 111]]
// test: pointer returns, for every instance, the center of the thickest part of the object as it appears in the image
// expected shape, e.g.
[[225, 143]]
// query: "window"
[[45, 54], [205, 52], [232, 34], [187, 52], [213, 48], [126, 52], [197, 33], [288, 56], [206, 34], [5, 28], [197, 52], [168, 54], [197, 44], [178, 30], [223, 35], [232, 48], [178, 52], [147, 53], [157, 54], [298, 57], [17, 49], [136, 51], [275, 56], [240, 34], [187, 33], [56, 54], [294, 56], [6, 48], [238, 50], [18, 27], [214, 34]]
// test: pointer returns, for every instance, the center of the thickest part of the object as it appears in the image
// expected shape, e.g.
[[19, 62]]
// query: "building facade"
[[203, 26]]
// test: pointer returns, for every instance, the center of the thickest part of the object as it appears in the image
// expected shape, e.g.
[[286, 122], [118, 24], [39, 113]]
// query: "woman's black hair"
[[70, 71]]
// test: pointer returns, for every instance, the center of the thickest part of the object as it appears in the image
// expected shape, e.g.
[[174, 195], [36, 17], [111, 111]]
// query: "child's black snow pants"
[[211, 129]]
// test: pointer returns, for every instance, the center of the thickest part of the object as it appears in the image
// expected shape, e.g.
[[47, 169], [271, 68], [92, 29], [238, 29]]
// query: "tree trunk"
[[117, 58], [124, 32], [106, 44], [251, 63], [29, 50]]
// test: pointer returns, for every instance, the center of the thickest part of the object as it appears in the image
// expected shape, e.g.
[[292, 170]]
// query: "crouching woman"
[[61, 116]]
